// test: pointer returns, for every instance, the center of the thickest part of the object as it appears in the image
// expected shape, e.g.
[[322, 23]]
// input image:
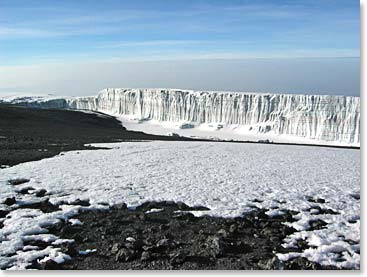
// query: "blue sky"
[[64, 32], [37, 31]]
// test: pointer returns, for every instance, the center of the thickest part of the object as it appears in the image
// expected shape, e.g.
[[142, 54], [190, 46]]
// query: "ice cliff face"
[[50, 102], [320, 117]]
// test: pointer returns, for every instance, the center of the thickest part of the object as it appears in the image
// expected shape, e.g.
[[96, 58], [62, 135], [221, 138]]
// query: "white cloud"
[[16, 32], [120, 44]]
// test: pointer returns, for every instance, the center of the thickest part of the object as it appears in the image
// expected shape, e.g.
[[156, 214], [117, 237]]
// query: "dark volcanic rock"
[[322, 210], [49, 265], [27, 130], [19, 181], [316, 200], [41, 193], [214, 247], [115, 248], [146, 256], [356, 196], [69, 249], [45, 206], [80, 202], [317, 224], [125, 240], [135, 244], [125, 255], [178, 258], [3, 213], [301, 263], [10, 201], [25, 190], [121, 206]]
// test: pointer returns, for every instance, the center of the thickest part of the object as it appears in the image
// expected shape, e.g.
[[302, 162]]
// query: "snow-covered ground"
[[216, 132], [225, 177]]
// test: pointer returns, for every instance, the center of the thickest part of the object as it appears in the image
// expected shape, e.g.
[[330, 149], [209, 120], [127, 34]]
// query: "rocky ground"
[[165, 235], [33, 134]]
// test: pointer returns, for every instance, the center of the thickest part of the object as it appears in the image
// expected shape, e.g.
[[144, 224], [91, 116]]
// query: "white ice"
[[317, 119], [233, 132]]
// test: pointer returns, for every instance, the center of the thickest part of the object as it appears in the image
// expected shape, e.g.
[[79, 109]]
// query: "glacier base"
[[313, 119]]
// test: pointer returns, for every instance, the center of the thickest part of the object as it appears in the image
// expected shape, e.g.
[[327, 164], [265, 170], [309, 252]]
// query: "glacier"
[[322, 118]]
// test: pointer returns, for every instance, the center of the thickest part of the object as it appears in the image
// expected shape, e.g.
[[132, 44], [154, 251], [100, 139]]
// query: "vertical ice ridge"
[[330, 118], [321, 117]]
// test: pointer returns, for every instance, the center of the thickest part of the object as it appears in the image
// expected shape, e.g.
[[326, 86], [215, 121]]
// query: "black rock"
[[18, 181], [135, 244], [265, 264], [10, 201], [301, 263], [146, 256], [148, 248], [142, 216], [302, 244], [214, 246], [165, 243], [256, 200], [148, 206], [115, 248], [223, 233], [178, 257], [317, 224], [70, 250], [202, 243], [322, 210], [125, 255], [233, 229], [121, 206], [41, 193], [199, 208], [316, 200], [186, 216], [24, 191], [49, 265], [3, 213], [238, 247], [163, 227], [80, 202], [356, 196], [45, 206], [182, 206]]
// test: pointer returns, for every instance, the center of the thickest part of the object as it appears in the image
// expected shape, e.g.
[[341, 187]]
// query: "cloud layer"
[[310, 76]]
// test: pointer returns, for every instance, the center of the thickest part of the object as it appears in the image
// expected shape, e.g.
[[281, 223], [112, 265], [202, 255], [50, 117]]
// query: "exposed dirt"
[[28, 134]]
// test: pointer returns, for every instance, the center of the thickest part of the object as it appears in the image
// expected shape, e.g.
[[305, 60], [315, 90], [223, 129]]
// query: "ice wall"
[[320, 117]]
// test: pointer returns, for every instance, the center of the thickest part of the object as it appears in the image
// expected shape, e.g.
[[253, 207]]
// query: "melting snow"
[[86, 252], [228, 178], [154, 211]]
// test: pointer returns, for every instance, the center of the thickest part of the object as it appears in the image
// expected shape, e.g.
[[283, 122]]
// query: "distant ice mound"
[[319, 117]]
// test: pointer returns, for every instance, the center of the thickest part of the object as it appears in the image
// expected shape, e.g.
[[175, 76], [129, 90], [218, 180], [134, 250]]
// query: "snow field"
[[228, 178]]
